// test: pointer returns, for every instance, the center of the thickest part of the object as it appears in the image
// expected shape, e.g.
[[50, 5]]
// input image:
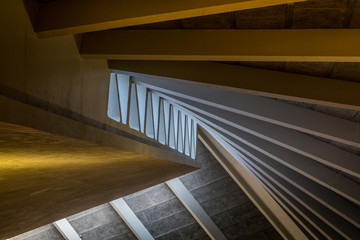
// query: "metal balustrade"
[[144, 110]]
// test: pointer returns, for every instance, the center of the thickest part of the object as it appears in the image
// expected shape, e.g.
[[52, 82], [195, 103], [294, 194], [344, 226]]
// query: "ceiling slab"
[[45, 177], [289, 45], [80, 17]]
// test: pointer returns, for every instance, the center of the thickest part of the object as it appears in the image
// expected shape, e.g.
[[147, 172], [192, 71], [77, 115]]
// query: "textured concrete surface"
[[319, 69], [47, 232], [347, 71], [163, 214], [309, 14], [269, 17], [100, 223], [337, 112]]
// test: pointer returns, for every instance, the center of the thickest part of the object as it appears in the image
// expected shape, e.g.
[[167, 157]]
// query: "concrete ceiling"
[[304, 15], [316, 14]]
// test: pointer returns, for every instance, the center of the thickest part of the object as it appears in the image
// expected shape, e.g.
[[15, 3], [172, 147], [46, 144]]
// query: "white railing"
[[157, 117]]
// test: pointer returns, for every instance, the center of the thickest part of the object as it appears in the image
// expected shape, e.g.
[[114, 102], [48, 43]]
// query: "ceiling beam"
[[187, 199], [131, 219], [301, 219], [298, 195], [287, 138], [289, 45], [80, 17], [66, 230], [324, 196], [309, 216], [254, 146], [337, 223]]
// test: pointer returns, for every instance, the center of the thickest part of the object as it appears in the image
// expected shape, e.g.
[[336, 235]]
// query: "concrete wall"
[[50, 69]]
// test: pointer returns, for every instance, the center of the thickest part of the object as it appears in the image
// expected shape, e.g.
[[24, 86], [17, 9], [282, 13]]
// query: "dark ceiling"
[[311, 14]]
